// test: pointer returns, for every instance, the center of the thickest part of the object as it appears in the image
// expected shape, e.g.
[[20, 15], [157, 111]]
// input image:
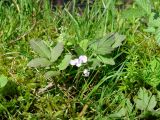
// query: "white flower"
[[83, 59], [78, 64], [74, 62], [86, 72]]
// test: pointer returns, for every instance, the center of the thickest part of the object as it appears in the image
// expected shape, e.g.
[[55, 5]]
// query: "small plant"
[[99, 49], [48, 57], [145, 101], [151, 17], [151, 72], [153, 26]]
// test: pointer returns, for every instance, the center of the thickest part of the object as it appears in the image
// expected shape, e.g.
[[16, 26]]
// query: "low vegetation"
[[100, 62]]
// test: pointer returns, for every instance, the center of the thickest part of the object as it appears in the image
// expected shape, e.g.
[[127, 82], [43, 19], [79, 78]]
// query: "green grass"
[[110, 92]]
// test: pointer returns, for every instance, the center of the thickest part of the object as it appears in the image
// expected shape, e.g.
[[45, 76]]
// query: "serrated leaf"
[[145, 5], [39, 62], [151, 73], [132, 13], [152, 103], [153, 22], [118, 40], [3, 81], [119, 114], [103, 50], [51, 74], [106, 60], [157, 36], [65, 62], [129, 106], [103, 46], [107, 44], [41, 48], [150, 30], [145, 100], [56, 51]]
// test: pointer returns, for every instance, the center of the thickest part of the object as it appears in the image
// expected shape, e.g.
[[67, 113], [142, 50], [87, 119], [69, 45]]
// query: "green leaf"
[[132, 13], [157, 36], [102, 46], [151, 72], [84, 44], [145, 100], [145, 5], [129, 106], [118, 40], [3, 81], [51, 74], [122, 112], [107, 44], [39, 62], [41, 48], [150, 30], [65, 62], [106, 60], [56, 51], [153, 21], [78, 50]]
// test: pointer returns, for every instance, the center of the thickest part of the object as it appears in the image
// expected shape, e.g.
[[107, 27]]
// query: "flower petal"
[[83, 58], [78, 64], [74, 62], [86, 72]]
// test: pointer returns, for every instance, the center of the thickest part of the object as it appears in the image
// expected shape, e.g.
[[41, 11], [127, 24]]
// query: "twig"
[[42, 90], [83, 110]]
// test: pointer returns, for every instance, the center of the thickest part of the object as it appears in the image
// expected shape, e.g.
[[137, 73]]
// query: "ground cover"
[[101, 62]]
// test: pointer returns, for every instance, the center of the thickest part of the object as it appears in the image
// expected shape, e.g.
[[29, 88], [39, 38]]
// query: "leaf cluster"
[[48, 56]]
